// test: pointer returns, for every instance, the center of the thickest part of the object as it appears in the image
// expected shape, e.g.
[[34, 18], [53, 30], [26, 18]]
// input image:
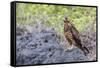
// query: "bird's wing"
[[75, 34]]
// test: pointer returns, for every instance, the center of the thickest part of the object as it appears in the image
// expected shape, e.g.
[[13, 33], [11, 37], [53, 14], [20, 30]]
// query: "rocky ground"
[[45, 46]]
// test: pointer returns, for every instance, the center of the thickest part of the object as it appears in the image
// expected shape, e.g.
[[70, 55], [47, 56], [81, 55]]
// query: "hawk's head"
[[67, 23], [66, 20]]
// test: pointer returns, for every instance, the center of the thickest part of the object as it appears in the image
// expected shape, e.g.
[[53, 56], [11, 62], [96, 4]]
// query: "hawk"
[[72, 36]]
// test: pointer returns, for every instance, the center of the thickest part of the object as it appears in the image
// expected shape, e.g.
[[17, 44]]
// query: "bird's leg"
[[70, 47]]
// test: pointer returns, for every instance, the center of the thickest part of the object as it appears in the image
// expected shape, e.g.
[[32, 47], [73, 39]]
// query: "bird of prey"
[[72, 36]]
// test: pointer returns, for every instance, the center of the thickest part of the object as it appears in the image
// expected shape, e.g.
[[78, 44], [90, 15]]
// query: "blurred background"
[[53, 15]]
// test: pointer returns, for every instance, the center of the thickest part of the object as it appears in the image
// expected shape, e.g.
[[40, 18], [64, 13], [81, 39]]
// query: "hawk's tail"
[[85, 50]]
